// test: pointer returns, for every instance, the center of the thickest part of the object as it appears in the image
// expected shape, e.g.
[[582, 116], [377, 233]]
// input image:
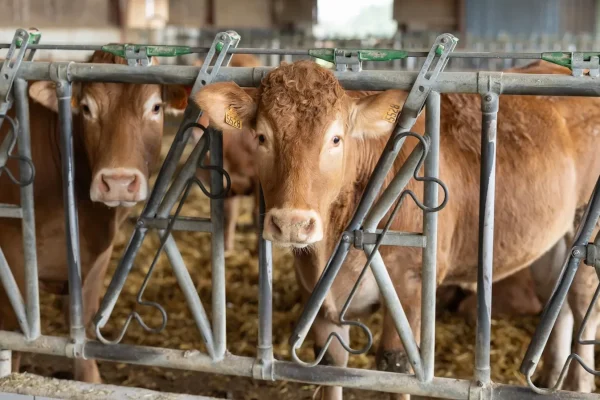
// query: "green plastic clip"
[[565, 58], [34, 38], [363, 54], [151, 50]]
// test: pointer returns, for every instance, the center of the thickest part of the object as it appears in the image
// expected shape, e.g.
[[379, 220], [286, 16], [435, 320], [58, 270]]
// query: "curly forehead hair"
[[302, 91]]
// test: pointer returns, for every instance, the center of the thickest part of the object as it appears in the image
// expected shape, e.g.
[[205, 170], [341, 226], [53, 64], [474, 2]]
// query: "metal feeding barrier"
[[171, 189]]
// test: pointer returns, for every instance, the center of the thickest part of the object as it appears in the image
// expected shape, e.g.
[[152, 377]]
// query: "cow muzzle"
[[119, 187], [291, 227]]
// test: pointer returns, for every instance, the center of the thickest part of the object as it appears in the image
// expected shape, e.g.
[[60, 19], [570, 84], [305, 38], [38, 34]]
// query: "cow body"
[[317, 148], [117, 133]]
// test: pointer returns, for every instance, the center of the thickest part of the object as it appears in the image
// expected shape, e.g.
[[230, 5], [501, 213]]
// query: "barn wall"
[[242, 14], [57, 13], [435, 15], [295, 12], [188, 13], [526, 17], [578, 16]]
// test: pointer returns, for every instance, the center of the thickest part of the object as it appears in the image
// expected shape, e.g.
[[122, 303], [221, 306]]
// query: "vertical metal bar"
[[63, 92], [5, 363], [27, 207], [217, 217], [428, 276], [487, 192], [265, 291]]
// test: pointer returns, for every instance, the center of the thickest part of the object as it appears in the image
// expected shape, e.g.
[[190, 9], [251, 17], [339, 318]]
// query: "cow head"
[[121, 128], [310, 138]]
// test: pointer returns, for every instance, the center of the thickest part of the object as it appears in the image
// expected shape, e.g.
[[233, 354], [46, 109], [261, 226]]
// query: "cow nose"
[[298, 228], [118, 187]]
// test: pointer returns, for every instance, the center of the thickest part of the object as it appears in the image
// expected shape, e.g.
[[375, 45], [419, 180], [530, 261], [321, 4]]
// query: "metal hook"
[[11, 137]]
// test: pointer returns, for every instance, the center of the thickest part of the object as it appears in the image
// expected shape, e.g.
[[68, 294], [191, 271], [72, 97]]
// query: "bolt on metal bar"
[[487, 190], [28, 212], [429, 253], [77, 327], [217, 217]]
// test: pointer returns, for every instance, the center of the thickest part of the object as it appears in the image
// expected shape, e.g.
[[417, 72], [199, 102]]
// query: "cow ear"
[[375, 115], [227, 105], [44, 92], [175, 98]]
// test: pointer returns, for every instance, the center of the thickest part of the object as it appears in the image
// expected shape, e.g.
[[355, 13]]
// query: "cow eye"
[[261, 139], [336, 140], [85, 109], [156, 109]]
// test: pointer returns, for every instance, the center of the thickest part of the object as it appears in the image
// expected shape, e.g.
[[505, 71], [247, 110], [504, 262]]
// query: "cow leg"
[[391, 355], [336, 355], [580, 297], [232, 211]]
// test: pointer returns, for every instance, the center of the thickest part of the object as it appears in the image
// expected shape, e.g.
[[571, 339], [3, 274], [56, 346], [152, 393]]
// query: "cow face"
[[121, 128], [310, 138]]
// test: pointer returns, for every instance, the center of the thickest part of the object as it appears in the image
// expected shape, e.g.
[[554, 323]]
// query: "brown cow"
[[117, 133], [317, 147], [238, 161]]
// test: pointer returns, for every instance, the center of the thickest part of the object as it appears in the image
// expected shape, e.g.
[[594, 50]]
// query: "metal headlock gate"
[[424, 88]]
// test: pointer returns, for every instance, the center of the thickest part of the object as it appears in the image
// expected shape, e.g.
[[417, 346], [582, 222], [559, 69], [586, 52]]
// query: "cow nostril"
[[309, 226], [275, 227], [134, 186], [103, 186]]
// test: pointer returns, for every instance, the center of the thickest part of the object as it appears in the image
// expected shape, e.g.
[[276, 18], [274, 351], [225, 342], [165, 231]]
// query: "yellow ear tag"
[[392, 113], [232, 118], [73, 102]]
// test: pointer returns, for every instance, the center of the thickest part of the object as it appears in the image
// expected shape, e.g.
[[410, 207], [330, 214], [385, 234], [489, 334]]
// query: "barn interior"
[[481, 25]]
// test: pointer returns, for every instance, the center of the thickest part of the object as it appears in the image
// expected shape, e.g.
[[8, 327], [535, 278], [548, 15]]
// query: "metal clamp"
[[345, 59], [136, 55], [578, 64], [8, 72], [222, 43]]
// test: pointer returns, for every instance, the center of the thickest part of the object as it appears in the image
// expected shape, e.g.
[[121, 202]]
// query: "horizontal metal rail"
[[293, 52], [447, 82], [192, 360]]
